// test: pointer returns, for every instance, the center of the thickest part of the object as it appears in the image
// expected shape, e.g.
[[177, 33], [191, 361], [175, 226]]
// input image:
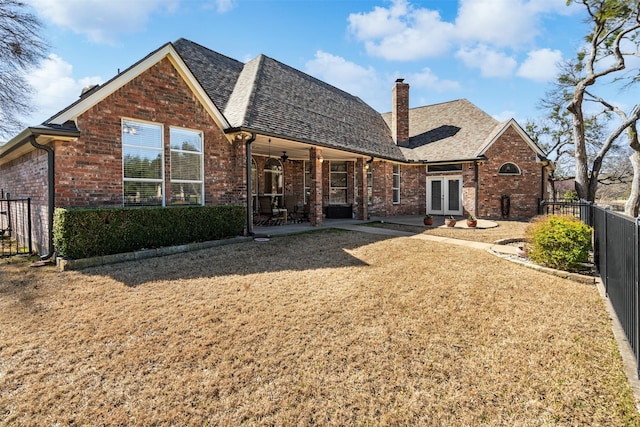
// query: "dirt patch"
[[329, 328]]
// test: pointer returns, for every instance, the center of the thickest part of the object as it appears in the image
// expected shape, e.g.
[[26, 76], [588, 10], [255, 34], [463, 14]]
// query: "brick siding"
[[26, 177], [89, 170]]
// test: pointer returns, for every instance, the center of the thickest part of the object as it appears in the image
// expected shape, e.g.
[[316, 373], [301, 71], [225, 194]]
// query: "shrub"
[[561, 242], [571, 196], [86, 232]]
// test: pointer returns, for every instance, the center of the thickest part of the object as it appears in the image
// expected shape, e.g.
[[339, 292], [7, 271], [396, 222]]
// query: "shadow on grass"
[[306, 251]]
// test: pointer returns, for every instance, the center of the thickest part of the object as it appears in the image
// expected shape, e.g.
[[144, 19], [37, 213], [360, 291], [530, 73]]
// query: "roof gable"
[[96, 95], [500, 129], [448, 131]]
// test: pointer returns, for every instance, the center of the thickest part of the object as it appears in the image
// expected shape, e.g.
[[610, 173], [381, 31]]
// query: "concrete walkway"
[[411, 220], [501, 249]]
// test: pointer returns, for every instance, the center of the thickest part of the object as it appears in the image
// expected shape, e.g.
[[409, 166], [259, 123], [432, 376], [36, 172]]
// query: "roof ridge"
[[243, 91], [206, 48]]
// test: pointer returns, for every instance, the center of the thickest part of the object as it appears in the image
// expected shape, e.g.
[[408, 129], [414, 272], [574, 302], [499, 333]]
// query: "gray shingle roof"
[[448, 131], [265, 95], [216, 73]]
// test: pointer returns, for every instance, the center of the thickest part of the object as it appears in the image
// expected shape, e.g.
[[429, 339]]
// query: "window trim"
[[344, 188], [395, 190], [187, 181], [370, 186], [160, 180], [509, 173]]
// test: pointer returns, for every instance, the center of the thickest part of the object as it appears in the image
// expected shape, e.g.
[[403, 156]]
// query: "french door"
[[444, 195]]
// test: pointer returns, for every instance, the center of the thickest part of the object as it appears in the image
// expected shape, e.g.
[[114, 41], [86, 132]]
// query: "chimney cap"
[[399, 80]]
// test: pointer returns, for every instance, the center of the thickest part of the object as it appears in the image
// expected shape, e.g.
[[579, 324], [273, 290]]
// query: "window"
[[142, 163], [273, 177], [445, 168], [369, 186], [338, 183], [509, 169], [186, 167], [396, 184]]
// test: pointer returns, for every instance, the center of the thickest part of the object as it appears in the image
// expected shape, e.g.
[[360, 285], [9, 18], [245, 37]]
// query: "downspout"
[[52, 191], [542, 182], [475, 172], [249, 189]]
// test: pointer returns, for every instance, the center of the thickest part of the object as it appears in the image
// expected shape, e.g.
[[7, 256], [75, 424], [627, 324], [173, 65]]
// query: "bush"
[[82, 232], [561, 242]]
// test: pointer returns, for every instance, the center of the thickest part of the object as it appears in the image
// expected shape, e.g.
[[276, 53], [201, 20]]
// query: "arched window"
[[509, 169]]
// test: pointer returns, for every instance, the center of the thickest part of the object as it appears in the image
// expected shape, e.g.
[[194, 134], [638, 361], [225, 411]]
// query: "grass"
[[338, 328]]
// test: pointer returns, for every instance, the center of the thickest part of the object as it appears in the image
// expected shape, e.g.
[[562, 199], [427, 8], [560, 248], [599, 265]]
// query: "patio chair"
[[294, 211], [269, 212]]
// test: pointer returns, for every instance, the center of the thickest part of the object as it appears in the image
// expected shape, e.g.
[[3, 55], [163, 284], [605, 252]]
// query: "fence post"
[[636, 294], [29, 225]]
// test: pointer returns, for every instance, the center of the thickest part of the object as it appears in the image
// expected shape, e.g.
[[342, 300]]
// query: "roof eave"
[[249, 130], [166, 51], [39, 132]]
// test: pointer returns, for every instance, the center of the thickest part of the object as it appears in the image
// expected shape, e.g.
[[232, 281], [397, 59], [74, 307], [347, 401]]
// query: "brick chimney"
[[400, 112]]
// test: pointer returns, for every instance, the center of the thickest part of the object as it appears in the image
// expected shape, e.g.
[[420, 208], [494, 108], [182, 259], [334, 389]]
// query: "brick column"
[[315, 196], [361, 182]]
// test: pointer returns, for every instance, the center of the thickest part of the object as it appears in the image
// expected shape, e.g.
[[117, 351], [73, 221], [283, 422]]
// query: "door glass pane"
[[436, 195], [454, 194]]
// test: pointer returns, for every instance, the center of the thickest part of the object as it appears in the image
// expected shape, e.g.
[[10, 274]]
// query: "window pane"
[[142, 163], [338, 166], [186, 193], [188, 140], [444, 168], [143, 193], [338, 196], [141, 134], [509, 168], [436, 195], [454, 194], [338, 179], [185, 166]]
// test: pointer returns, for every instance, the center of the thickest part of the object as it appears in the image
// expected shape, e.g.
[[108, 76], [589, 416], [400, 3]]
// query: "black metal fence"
[[616, 252], [15, 227]]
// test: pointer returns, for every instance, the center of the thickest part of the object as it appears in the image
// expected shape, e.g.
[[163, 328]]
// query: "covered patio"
[[411, 220]]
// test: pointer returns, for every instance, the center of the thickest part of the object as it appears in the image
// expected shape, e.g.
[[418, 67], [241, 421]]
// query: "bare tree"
[[20, 48], [614, 37]]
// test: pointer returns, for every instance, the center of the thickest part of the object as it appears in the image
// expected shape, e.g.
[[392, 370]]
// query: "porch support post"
[[315, 196], [361, 182]]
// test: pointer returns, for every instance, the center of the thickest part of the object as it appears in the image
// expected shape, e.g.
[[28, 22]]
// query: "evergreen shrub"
[[561, 242], [86, 232]]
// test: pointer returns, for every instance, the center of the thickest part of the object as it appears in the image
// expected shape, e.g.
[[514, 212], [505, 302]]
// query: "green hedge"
[[85, 232], [561, 242]]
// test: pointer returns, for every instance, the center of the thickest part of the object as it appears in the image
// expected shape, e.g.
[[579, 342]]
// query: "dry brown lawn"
[[326, 328]]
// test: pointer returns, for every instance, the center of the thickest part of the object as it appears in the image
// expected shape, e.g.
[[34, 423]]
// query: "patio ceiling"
[[274, 147]]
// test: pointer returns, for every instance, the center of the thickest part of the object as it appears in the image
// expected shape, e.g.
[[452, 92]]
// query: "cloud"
[[405, 31], [101, 21], [541, 65], [363, 82], [54, 87], [490, 62], [221, 6], [498, 22], [503, 116], [402, 32], [426, 79]]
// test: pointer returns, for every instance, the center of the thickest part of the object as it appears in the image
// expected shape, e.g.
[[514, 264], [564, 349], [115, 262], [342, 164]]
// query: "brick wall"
[[412, 190], [89, 170], [26, 177], [524, 190]]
